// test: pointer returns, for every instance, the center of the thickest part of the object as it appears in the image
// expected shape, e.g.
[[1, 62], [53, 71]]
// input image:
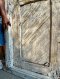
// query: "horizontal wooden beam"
[[29, 2]]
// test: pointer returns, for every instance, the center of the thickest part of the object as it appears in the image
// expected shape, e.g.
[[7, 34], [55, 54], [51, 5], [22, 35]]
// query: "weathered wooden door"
[[34, 34]]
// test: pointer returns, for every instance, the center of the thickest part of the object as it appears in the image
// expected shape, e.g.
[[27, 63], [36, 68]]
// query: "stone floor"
[[6, 75]]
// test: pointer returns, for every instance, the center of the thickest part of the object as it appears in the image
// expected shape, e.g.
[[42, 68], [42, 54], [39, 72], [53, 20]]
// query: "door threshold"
[[25, 74]]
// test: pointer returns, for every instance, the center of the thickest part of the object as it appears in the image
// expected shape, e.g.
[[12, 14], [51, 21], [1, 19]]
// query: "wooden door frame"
[[9, 42]]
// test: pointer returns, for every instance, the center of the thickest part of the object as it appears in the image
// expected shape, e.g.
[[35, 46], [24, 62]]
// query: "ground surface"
[[6, 75]]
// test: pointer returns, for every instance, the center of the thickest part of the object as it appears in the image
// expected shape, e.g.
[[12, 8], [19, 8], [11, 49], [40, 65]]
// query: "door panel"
[[35, 36], [36, 32]]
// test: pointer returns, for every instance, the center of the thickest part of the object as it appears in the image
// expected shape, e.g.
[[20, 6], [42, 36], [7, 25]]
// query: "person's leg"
[[3, 50], [1, 53], [1, 57]]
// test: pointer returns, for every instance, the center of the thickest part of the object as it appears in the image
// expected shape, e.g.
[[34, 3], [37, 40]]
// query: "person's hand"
[[6, 23]]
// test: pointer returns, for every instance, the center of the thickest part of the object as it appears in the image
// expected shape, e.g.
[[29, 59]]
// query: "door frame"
[[9, 42]]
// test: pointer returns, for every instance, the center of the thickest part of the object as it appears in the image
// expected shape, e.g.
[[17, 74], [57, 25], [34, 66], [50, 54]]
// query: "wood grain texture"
[[35, 32]]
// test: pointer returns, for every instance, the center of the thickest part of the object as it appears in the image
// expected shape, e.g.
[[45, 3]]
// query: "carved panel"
[[36, 32]]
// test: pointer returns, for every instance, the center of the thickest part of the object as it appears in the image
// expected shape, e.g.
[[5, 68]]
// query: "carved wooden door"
[[35, 36], [31, 34]]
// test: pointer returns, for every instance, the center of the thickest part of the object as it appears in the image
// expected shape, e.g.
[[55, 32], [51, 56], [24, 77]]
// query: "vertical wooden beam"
[[50, 31], [8, 34]]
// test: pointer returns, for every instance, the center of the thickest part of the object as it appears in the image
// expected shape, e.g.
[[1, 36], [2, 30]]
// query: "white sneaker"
[[1, 65]]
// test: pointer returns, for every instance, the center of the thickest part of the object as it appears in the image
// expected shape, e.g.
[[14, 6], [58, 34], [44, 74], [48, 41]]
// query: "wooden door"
[[31, 35], [34, 38]]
